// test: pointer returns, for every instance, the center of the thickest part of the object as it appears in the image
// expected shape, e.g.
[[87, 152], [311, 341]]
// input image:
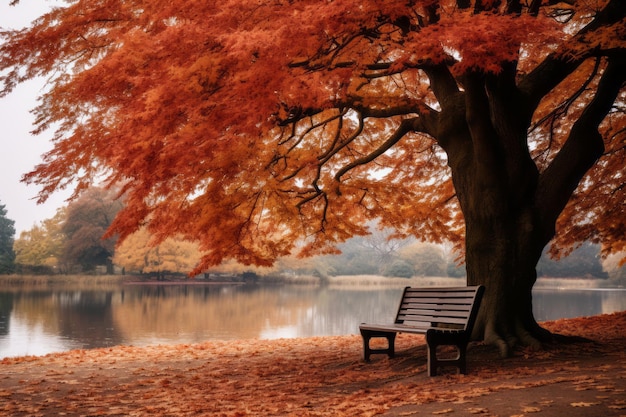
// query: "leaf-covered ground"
[[324, 376]]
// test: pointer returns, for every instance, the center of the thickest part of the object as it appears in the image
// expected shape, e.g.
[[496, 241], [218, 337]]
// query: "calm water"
[[40, 322]]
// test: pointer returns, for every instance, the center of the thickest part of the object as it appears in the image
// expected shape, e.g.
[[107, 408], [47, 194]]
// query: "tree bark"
[[503, 244]]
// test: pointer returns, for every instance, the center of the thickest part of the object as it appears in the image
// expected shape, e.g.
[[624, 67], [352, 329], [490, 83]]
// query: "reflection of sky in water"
[[24, 339], [53, 321], [553, 304], [281, 332]]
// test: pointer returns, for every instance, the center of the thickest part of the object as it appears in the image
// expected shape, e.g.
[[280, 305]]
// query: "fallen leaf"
[[531, 409], [583, 404]]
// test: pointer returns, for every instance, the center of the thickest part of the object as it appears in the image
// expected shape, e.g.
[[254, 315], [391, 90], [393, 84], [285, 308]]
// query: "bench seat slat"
[[444, 313], [434, 319], [439, 294], [419, 328], [450, 294], [398, 327], [439, 306], [438, 300], [460, 311], [450, 314]]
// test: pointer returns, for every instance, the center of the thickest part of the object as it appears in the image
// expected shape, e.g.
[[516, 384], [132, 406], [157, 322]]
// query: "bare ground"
[[324, 376]]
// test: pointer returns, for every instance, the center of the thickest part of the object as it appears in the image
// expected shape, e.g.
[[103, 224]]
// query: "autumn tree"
[[357, 257], [426, 259], [88, 219], [264, 128], [7, 234], [383, 243], [138, 253], [41, 247]]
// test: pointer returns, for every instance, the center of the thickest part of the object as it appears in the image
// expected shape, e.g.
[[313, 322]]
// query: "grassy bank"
[[376, 281], [574, 283], [351, 281], [74, 281]]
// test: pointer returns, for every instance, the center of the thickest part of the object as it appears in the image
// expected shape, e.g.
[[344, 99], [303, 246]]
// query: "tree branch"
[[558, 65], [405, 127], [442, 83], [582, 149]]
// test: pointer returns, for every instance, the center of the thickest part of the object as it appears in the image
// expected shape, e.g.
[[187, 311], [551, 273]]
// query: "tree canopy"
[[234, 115], [262, 128], [42, 247], [174, 256], [88, 219]]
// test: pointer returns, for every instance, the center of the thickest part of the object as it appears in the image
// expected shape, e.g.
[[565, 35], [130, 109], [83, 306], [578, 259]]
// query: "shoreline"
[[353, 281], [169, 283]]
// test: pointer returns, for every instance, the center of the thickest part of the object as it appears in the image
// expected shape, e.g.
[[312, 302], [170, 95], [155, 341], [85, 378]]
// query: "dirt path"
[[323, 377]]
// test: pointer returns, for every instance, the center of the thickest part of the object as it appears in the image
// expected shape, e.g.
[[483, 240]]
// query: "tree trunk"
[[501, 255], [496, 183], [504, 241]]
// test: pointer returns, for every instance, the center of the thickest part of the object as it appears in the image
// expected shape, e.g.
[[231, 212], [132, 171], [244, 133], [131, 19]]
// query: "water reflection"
[[39, 322], [6, 306], [234, 312], [555, 304]]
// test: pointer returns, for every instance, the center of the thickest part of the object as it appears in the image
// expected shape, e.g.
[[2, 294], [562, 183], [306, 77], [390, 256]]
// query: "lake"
[[37, 322]]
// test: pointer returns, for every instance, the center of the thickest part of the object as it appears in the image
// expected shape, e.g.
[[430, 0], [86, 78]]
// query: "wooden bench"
[[445, 315]]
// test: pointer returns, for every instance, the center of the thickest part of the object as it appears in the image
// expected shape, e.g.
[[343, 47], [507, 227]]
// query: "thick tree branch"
[[442, 83], [406, 126], [487, 148], [372, 107], [510, 119], [582, 149]]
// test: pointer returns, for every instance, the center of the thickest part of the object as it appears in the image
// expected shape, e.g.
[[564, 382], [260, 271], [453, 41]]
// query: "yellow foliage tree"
[[140, 253], [43, 244]]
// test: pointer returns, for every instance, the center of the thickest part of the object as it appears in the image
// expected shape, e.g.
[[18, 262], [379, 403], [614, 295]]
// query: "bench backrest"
[[452, 307]]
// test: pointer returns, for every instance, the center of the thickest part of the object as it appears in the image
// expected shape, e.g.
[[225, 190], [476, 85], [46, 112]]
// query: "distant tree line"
[[72, 242], [583, 261]]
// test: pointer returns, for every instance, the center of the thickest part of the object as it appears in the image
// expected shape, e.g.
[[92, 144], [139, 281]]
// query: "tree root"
[[506, 342]]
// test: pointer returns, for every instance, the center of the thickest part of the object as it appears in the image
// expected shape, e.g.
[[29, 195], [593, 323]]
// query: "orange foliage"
[[260, 129]]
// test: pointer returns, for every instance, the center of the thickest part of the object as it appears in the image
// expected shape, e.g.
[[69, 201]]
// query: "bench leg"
[[434, 340], [434, 363], [369, 334]]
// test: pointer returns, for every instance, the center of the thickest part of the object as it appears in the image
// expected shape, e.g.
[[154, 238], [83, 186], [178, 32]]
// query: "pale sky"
[[19, 150]]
